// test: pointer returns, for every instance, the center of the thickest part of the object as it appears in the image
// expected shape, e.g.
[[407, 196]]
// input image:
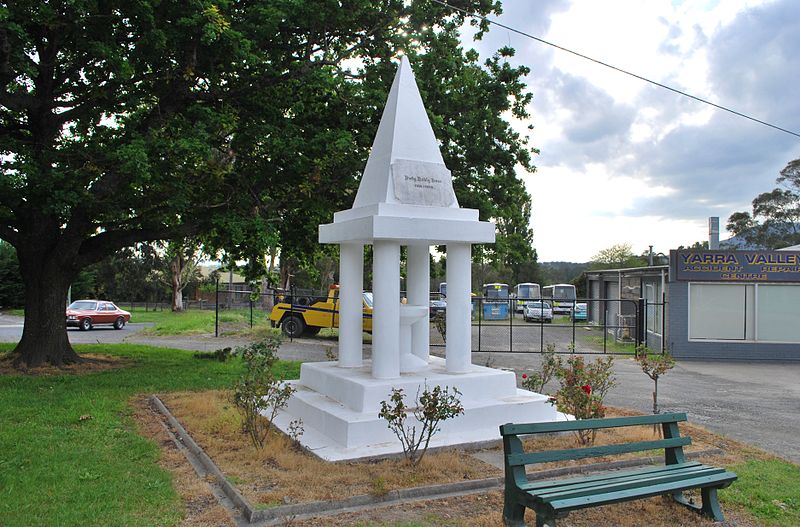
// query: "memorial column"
[[458, 353], [351, 285], [418, 286], [386, 312]]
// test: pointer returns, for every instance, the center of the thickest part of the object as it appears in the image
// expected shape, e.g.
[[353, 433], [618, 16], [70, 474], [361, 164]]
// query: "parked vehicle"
[[525, 292], [296, 318], [579, 312], [85, 314], [562, 296], [438, 306], [538, 312]]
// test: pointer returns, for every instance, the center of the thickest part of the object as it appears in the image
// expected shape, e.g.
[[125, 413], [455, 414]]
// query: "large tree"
[[123, 122], [775, 218]]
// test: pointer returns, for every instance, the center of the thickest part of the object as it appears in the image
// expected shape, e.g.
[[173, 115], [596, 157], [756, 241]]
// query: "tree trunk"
[[44, 337], [176, 268]]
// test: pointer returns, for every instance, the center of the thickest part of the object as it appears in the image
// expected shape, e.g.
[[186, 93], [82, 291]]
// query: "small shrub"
[[583, 388], [432, 407], [440, 323], [259, 394], [535, 381], [222, 354], [296, 429], [654, 365]]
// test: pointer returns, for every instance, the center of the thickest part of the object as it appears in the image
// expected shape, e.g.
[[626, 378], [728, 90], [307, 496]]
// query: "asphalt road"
[[754, 402]]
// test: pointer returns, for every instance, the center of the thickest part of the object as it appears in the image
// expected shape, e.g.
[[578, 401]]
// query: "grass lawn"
[[70, 453], [201, 321]]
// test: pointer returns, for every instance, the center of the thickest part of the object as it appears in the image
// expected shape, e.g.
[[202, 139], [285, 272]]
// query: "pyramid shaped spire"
[[405, 165]]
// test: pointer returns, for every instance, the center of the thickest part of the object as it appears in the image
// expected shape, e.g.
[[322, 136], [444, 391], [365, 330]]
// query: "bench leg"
[[710, 507], [711, 504], [513, 514], [544, 519]]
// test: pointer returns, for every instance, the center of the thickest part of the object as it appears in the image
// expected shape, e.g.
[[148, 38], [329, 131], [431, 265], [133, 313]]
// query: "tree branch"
[[101, 245], [9, 235]]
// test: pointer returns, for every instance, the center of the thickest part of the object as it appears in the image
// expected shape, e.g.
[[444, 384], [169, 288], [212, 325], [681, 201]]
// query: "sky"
[[623, 161]]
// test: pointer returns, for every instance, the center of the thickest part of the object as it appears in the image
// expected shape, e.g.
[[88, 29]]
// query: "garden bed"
[[283, 474]]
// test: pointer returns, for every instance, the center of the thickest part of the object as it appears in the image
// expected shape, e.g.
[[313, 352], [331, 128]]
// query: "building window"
[[654, 307], [745, 312], [778, 313]]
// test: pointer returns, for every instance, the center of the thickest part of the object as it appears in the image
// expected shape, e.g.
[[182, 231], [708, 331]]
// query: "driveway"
[[754, 402]]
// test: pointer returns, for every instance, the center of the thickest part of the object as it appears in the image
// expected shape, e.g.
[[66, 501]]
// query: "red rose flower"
[[524, 375], [587, 389]]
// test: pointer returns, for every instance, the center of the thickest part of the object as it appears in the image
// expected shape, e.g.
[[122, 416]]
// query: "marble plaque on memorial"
[[421, 183]]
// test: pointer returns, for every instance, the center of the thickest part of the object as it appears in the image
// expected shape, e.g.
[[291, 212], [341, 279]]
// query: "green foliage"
[[56, 469], [775, 219], [260, 394], [617, 256], [769, 489], [654, 365], [244, 123], [550, 365], [12, 290], [583, 388], [431, 408]]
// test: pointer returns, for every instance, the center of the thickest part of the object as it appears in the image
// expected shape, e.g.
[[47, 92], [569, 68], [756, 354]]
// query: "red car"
[[85, 314]]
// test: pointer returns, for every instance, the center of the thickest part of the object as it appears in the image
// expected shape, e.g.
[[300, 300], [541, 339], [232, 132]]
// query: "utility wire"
[[626, 72]]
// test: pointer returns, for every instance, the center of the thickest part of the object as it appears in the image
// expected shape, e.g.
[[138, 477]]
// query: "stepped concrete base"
[[339, 408]]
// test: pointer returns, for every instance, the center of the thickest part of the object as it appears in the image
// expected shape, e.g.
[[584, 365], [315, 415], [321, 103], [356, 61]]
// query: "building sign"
[[737, 266]]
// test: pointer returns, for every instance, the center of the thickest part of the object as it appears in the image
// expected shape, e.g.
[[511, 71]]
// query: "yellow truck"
[[306, 316]]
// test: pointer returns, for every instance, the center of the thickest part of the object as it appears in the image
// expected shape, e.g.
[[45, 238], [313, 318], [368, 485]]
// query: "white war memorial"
[[405, 198]]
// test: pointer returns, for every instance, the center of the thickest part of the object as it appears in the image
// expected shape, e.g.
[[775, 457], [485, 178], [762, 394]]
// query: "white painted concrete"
[[405, 198], [386, 310], [418, 282], [459, 308], [351, 279], [411, 317], [405, 142], [339, 408]]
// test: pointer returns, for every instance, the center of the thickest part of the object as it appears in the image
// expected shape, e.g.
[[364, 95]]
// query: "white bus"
[[526, 292], [563, 297]]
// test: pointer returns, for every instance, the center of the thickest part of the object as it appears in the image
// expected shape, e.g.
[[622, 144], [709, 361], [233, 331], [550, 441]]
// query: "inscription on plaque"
[[420, 183]]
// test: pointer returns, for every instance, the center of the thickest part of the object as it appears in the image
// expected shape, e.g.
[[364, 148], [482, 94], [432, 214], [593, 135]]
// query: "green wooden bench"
[[556, 498]]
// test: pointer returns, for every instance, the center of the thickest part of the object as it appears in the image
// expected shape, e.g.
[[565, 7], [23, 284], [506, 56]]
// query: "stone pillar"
[[418, 286], [351, 285], [386, 311], [459, 303]]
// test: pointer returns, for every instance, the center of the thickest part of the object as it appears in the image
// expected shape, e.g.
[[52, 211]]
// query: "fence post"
[[605, 323], [480, 317], [216, 310], [572, 316], [663, 321], [641, 316], [251, 310], [510, 329]]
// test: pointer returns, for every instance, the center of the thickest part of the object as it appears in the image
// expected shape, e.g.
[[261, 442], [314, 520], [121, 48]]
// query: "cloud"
[[631, 153]]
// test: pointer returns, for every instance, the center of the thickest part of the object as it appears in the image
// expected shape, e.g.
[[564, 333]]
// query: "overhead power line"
[[626, 72]]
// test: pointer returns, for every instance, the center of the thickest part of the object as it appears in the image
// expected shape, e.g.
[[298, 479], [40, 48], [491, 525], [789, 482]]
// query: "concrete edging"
[[319, 508]]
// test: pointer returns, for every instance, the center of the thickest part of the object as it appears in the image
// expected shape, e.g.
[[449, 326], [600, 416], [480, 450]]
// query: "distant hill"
[[778, 236], [561, 272]]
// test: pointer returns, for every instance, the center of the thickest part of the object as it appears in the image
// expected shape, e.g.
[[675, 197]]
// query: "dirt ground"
[[92, 363], [281, 474]]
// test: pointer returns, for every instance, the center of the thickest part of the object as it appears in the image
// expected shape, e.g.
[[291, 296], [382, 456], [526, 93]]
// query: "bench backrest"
[[516, 458]]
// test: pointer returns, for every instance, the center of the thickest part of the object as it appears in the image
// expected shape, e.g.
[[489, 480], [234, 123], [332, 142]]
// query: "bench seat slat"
[[595, 488], [536, 485], [514, 460], [589, 424], [715, 480]]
